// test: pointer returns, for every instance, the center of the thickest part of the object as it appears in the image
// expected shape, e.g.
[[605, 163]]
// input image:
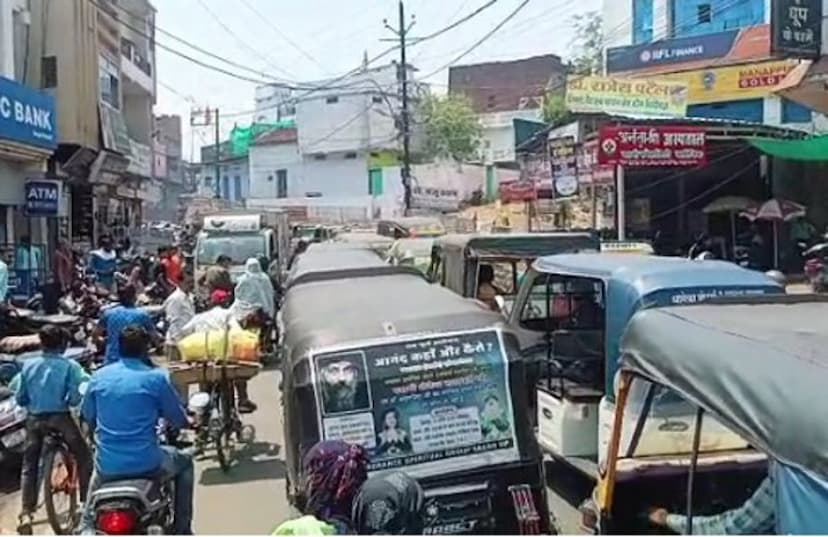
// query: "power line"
[[455, 24], [282, 34]]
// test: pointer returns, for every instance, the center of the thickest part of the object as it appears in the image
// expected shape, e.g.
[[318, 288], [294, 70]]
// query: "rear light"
[[528, 519], [117, 522]]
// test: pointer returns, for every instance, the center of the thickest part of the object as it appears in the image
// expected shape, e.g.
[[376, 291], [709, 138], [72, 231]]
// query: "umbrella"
[[732, 205], [775, 210]]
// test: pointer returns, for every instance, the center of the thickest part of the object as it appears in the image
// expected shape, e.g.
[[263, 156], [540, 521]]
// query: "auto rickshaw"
[[415, 252], [430, 383], [572, 311], [411, 226], [737, 397], [457, 259]]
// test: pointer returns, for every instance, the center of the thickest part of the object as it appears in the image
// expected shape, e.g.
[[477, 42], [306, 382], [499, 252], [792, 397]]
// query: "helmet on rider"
[[390, 503]]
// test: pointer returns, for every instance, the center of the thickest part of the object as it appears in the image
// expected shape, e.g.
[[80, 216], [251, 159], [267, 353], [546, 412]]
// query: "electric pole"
[[206, 113], [405, 120], [218, 156]]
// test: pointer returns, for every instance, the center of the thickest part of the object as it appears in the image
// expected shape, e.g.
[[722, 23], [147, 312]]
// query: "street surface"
[[251, 498]]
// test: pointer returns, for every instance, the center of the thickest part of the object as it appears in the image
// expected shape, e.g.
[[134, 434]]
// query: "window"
[[225, 187], [793, 112], [281, 183], [642, 21], [110, 84], [332, 100], [377, 99], [320, 156], [350, 156], [208, 182], [704, 14], [269, 178], [48, 72], [747, 110]]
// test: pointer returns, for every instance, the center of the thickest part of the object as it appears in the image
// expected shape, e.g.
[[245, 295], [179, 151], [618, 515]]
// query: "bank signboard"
[[43, 197], [796, 28], [626, 96], [27, 116], [732, 46], [733, 83]]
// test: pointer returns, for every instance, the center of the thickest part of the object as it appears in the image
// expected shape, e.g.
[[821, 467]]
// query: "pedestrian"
[[103, 263], [47, 387], [389, 503], [27, 263], [179, 310], [333, 473], [254, 291], [301, 248], [64, 265], [115, 319], [217, 277], [4, 279], [173, 265]]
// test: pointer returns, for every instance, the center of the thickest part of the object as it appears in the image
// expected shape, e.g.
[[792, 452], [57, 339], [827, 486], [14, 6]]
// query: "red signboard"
[[651, 146], [589, 171], [518, 191]]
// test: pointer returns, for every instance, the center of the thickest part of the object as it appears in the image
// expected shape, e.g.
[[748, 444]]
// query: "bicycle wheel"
[[61, 489], [224, 437]]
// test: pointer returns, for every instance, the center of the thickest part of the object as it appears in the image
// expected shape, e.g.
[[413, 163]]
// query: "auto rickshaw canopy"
[[334, 260]]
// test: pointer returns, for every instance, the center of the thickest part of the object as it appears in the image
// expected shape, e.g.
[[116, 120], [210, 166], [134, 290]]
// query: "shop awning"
[[807, 84], [809, 149]]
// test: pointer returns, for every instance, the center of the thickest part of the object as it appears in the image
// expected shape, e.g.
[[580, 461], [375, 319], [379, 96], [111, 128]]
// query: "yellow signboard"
[[734, 83], [626, 96]]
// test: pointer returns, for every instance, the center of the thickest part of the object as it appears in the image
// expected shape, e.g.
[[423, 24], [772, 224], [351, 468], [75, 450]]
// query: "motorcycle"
[[12, 416], [142, 505], [815, 267]]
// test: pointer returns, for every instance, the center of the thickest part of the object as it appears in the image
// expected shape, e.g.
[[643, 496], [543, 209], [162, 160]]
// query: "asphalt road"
[[250, 499]]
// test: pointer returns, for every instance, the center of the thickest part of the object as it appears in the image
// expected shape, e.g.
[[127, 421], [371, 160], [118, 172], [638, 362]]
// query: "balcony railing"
[[130, 52]]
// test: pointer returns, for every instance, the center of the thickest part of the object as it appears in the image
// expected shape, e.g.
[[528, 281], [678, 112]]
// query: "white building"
[[273, 104]]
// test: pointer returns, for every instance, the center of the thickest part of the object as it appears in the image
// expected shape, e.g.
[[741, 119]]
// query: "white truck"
[[262, 235]]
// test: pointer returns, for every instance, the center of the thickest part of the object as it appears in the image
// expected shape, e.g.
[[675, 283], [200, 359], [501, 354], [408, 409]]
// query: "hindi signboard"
[[626, 96], [564, 162], [796, 28], [646, 146], [430, 404]]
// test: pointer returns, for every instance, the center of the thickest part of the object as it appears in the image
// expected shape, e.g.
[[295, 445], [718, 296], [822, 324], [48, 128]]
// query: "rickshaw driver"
[[486, 290]]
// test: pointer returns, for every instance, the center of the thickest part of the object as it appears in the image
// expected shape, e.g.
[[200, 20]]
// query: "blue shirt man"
[[47, 387], [125, 400], [103, 262], [114, 320]]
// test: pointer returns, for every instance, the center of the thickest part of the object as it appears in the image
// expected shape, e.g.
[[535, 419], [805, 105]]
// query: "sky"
[[310, 40]]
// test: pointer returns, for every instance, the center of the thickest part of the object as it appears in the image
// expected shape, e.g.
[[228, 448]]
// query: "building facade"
[[501, 92], [720, 48], [233, 183], [32, 202], [168, 167]]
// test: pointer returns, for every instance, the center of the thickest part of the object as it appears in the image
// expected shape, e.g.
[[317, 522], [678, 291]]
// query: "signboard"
[[140, 160], [522, 190], [796, 28], [589, 171], [27, 116], [564, 162], [642, 96], [697, 51], [734, 83], [114, 130], [644, 146], [430, 404], [43, 197]]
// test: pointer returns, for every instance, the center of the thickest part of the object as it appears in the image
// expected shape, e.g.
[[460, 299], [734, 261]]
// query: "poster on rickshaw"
[[429, 404]]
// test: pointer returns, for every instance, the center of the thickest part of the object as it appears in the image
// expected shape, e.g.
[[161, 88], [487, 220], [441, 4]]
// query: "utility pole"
[[402, 33], [206, 114]]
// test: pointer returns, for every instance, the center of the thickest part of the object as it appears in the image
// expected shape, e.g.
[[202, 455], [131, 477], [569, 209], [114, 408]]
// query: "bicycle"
[[61, 476]]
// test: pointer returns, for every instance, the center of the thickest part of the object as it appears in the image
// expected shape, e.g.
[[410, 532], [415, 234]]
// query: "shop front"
[[28, 135]]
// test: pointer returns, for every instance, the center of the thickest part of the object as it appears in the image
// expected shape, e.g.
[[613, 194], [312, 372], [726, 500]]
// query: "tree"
[[450, 127], [555, 110], [588, 44]]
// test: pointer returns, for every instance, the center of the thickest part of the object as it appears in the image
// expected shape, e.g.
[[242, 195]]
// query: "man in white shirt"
[[179, 310]]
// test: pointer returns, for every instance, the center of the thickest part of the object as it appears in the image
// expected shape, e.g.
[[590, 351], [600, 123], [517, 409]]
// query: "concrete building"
[[501, 92], [31, 202], [168, 167], [274, 103], [233, 183], [722, 49], [98, 59]]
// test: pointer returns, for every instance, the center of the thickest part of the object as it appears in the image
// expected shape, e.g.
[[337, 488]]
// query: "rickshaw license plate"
[[13, 439]]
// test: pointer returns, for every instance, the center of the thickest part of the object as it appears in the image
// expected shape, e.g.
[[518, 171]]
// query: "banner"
[[643, 96], [522, 190], [738, 82], [564, 162], [443, 400], [27, 116], [692, 52], [644, 146], [589, 171], [796, 28]]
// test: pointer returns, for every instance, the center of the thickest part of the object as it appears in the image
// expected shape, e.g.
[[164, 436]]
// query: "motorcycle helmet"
[[777, 276]]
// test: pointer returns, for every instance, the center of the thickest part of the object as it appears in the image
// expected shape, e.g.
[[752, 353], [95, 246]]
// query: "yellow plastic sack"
[[201, 346]]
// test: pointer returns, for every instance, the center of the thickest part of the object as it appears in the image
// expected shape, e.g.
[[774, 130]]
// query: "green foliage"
[[587, 57], [554, 109], [450, 127]]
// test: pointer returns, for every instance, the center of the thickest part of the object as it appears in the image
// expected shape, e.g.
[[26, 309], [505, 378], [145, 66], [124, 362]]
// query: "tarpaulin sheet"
[[810, 149]]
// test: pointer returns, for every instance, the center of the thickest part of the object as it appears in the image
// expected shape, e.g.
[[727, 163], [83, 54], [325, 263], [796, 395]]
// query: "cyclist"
[[47, 387], [125, 401], [114, 320]]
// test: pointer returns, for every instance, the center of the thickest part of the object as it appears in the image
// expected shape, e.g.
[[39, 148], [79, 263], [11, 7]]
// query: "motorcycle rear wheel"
[[60, 472]]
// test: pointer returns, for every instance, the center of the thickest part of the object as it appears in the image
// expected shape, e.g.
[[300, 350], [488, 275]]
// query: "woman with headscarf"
[[390, 503], [333, 473], [254, 291]]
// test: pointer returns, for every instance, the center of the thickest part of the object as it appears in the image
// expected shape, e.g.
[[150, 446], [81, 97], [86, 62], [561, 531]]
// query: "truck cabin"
[[574, 309], [239, 237]]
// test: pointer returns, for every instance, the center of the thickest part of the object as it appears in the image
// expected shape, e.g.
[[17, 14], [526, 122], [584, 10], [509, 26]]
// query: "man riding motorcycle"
[[125, 401]]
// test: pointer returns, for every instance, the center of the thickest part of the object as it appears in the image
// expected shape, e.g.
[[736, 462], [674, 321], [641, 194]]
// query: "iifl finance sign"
[[627, 96], [646, 147]]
